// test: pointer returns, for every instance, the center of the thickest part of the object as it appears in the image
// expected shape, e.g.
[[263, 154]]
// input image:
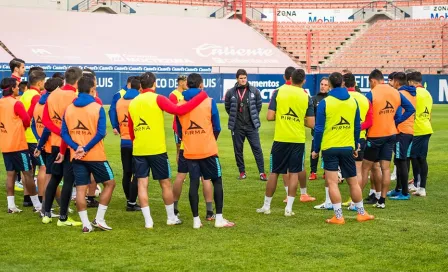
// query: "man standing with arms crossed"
[[243, 104], [381, 136]]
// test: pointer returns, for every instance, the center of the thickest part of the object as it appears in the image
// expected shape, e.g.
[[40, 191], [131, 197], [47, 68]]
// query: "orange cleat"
[[364, 217], [313, 176], [336, 221], [307, 198]]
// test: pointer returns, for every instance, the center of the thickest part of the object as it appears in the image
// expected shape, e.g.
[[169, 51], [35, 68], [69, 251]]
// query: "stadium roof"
[[57, 37]]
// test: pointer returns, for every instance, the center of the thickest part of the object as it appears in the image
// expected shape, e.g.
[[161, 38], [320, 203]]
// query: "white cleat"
[[420, 192], [324, 206], [149, 226], [224, 223], [101, 224], [289, 213], [379, 206], [197, 225], [174, 221], [412, 188], [264, 210], [14, 210]]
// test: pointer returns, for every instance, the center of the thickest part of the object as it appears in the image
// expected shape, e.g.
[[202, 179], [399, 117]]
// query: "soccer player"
[[292, 109], [129, 182], [422, 132], [175, 97], [381, 135], [323, 92], [13, 122], [199, 130], [29, 99], [53, 112], [113, 105], [83, 129], [404, 140], [337, 135], [17, 67], [243, 104], [42, 134], [146, 121]]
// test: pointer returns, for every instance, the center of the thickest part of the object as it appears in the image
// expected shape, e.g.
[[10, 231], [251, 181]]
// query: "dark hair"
[[22, 85], [72, 75], [35, 68], [8, 84], [415, 76], [59, 75], [240, 72], [298, 76], [376, 74], [147, 80], [400, 77], [135, 83], [288, 72], [88, 71], [195, 80], [130, 79], [53, 83], [391, 76], [36, 76], [15, 63], [346, 71], [336, 80], [324, 78], [85, 84], [349, 80], [89, 75]]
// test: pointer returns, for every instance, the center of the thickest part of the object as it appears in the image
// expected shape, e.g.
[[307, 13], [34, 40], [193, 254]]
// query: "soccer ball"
[[98, 191]]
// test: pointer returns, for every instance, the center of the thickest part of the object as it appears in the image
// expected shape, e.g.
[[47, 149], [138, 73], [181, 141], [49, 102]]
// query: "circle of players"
[[56, 126]]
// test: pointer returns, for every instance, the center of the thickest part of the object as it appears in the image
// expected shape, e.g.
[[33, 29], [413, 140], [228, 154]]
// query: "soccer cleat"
[[420, 192], [401, 197], [37, 210], [312, 176], [134, 208], [46, 220], [371, 199], [412, 188], [264, 210], [306, 198], [173, 222], [379, 206], [346, 204], [69, 223], [364, 217], [242, 176], [197, 225], [393, 193], [92, 203], [101, 224], [18, 186], [149, 226], [352, 207], [336, 221], [224, 224], [324, 206], [14, 210], [86, 230], [289, 213], [263, 177], [210, 217]]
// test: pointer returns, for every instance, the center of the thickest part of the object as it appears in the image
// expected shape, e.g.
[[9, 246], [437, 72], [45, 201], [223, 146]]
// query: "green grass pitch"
[[406, 236]]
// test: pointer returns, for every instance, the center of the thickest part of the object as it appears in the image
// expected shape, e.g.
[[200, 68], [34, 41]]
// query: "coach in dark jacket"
[[243, 104]]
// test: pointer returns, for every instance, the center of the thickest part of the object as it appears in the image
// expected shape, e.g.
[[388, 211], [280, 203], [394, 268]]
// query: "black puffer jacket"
[[255, 103]]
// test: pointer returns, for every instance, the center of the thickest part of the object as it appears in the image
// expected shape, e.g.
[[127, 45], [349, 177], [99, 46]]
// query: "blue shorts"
[[208, 168], [340, 158], [380, 148], [17, 161], [182, 165], [158, 164], [176, 139], [287, 157], [100, 170], [420, 145], [403, 146], [362, 148], [39, 161]]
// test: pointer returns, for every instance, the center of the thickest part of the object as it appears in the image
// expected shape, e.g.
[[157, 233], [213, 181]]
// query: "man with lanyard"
[[292, 109], [243, 104], [381, 136], [422, 133]]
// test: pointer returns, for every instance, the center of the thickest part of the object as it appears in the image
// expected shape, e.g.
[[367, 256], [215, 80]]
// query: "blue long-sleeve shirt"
[[216, 123], [412, 91], [82, 101], [44, 138], [341, 94], [112, 110]]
